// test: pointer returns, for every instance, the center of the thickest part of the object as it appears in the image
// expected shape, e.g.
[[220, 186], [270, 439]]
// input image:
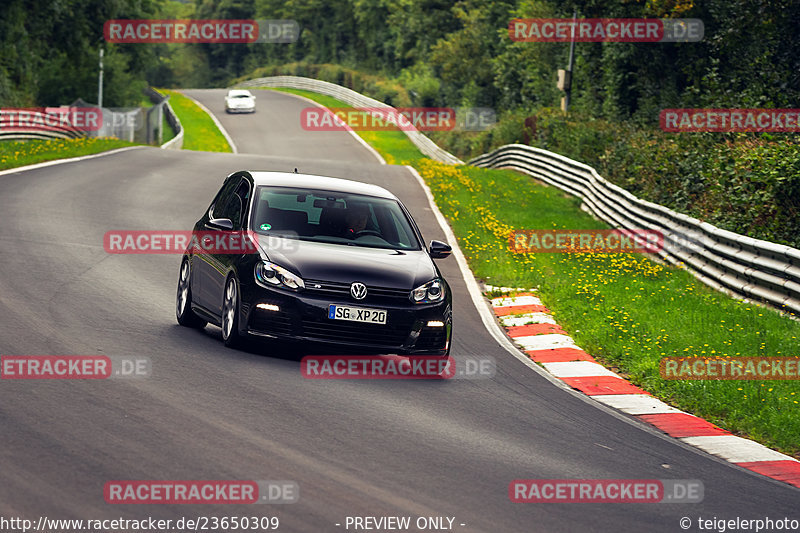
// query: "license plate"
[[356, 314]]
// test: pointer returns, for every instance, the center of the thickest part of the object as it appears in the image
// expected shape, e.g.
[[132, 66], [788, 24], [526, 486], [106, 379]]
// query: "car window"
[[333, 217], [235, 206], [402, 231], [222, 198]]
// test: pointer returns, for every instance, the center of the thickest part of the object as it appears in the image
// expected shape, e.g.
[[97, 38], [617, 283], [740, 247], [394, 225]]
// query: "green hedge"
[[746, 183]]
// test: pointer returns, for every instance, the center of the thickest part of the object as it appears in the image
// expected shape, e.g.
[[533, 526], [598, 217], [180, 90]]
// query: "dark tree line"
[[49, 52], [443, 52], [459, 53]]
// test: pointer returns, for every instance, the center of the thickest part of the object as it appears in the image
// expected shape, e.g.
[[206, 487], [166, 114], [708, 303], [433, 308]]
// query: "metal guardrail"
[[351, 97], [735, 264], [11, 130], [176, 143], [119, 123]]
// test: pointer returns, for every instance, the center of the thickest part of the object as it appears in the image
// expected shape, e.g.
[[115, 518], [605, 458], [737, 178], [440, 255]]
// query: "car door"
[[201, 264], [218, 264]]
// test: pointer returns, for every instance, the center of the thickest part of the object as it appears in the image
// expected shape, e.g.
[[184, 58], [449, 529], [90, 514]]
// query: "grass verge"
[[20, 153], [627, 310], [200, 132]]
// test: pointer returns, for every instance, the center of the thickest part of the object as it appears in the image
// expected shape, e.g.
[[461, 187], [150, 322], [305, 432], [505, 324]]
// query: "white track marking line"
[[217, 122], [578, 369], [545, 341], [636, 404], [530, 318], [517, 300], [491, 288], [70, 160], [736, 449]]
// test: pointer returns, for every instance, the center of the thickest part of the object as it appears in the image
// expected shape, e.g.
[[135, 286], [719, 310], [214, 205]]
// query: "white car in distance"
[[240, 101]]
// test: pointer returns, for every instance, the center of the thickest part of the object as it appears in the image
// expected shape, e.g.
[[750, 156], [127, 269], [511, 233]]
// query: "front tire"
[[183, 301], [230, 315]]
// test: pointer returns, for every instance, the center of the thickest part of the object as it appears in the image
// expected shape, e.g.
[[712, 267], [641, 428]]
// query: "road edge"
[[213, 117], [44, 164]]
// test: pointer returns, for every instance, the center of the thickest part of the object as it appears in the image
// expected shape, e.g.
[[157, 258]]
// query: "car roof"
[[311, 181], [234, 92]]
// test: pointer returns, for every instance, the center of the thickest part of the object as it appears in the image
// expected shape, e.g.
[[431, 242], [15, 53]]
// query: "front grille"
[[341, 291], [431, 339], [272, 322], [391, 334]]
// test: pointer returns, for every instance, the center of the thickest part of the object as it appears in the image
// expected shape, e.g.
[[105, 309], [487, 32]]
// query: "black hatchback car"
[[330, 261]]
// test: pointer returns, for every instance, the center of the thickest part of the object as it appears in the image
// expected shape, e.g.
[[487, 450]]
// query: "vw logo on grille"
[[358, 290]]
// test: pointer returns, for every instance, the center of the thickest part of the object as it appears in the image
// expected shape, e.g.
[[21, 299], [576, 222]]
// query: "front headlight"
[[267, 274], [428, 293]]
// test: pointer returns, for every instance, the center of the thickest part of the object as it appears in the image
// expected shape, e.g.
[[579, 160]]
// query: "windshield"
[[332, 217]]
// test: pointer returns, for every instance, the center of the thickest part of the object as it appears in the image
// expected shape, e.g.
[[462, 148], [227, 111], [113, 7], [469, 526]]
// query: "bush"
[[746, 183]]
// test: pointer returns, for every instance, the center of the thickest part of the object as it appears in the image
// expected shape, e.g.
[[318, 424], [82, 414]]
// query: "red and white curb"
[[532, 327]]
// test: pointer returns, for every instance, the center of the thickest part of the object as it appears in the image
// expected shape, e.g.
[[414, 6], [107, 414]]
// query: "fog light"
[[435, 324], [268, 307]]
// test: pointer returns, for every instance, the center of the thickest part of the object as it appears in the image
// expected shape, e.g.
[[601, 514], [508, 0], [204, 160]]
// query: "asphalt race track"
[[356, 448]]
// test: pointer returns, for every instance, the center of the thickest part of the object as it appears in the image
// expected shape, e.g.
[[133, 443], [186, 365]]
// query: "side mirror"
[[439, 250], [221, 223]]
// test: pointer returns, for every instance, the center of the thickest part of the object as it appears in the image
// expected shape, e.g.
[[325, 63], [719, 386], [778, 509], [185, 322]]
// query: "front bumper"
[[304, 317], [251, 109]]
